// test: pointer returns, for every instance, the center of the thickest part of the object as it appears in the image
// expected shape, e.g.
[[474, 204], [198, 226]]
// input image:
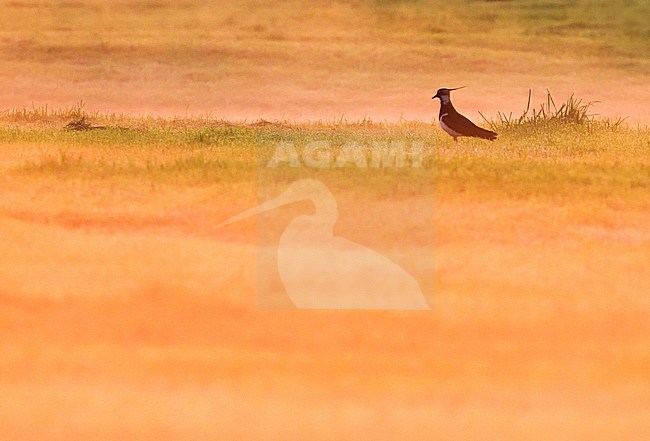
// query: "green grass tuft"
[[571, 112]]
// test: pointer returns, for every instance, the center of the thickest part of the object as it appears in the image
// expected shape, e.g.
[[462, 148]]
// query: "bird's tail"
[[486, 134]]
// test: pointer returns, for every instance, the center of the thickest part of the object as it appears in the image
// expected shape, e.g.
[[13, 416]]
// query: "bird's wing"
[[460, 124]]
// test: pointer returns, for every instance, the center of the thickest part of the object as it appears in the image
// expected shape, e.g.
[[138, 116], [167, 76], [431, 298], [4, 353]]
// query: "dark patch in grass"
[[81, 124]]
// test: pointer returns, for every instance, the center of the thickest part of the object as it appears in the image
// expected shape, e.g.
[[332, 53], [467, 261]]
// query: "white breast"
[[446, 128]]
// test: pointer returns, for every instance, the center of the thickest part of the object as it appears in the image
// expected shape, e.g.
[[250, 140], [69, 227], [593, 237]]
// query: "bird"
[[456, 124], [320, 270]]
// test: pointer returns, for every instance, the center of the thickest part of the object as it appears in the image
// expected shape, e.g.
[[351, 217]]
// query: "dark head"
[[444, 94]]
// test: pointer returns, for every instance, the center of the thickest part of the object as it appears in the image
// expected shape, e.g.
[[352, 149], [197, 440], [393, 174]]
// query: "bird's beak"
[[435, 96], [461, 87], [285, 198]]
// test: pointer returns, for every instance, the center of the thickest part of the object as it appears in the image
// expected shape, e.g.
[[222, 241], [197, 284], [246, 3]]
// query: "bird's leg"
[[455, 139]]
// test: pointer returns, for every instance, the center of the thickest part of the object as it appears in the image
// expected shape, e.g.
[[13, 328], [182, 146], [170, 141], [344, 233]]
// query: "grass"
[[358, 58], [556, 151], [34, 114], [559, 153], [571, 112], [109, 237]]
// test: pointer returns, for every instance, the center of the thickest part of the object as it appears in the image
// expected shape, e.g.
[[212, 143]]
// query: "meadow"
[[310, 61], [125, 305], [126, 312]]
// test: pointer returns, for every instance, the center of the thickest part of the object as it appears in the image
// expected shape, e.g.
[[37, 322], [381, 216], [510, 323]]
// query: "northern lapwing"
[[456, 124]]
